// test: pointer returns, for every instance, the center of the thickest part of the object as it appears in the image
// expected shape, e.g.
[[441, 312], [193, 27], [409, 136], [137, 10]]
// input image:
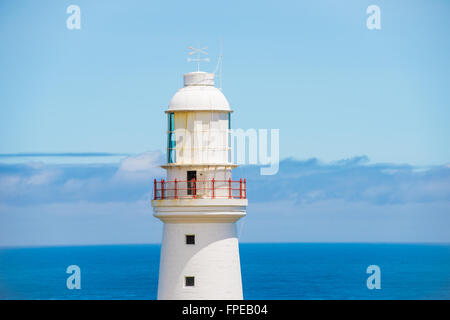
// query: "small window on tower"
[[190, 239], [189, 281]]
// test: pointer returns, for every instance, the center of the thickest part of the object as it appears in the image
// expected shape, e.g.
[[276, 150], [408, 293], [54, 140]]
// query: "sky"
[[363, 116]]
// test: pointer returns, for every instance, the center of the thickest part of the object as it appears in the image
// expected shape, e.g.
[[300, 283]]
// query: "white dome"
[[199, 93]]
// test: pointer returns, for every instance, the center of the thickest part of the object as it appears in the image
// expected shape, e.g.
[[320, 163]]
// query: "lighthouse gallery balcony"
[[200, 200], [199, 189]]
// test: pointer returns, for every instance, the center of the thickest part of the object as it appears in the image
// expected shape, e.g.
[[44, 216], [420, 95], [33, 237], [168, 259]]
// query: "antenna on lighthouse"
[[219, 66], [198, 52]]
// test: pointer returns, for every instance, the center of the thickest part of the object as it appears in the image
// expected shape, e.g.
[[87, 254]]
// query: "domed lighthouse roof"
[[199, 94]]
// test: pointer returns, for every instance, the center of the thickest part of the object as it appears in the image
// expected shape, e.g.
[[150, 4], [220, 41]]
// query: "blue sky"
[[335, 89]]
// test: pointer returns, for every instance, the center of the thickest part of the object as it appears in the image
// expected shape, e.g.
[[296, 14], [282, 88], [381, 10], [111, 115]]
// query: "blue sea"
[[269, 271]]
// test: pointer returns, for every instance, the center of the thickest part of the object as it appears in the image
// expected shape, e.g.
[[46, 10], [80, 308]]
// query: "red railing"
[[200, 189]]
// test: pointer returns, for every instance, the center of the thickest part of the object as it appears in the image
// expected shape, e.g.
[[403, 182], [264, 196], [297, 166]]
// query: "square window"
[[190, 239], [189, 281]]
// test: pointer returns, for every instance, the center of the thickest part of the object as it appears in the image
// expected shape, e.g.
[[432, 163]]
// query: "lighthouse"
[[199, 202]]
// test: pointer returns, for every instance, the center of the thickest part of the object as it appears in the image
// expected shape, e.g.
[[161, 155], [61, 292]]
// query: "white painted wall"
[[201, 137], [213, 261]]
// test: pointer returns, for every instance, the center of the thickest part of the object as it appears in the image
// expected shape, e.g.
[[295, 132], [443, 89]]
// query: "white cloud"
[[144, 162], [143, 167], [41, 178]]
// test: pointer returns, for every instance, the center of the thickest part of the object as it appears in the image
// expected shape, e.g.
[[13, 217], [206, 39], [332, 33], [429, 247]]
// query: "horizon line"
[[248, 242]]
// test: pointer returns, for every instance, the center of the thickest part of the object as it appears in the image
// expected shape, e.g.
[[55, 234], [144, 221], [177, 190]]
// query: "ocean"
[[269, 271]]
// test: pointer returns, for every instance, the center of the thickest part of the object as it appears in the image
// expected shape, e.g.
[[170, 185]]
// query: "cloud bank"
[[308, 181], [353, 180], [346, 200], [38, 183]]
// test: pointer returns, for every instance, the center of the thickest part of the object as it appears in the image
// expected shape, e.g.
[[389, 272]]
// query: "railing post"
[[155, 189], [240, 189], [213, 187], [162, 188], [245, 188], [193, 181], [175, 188], [229, 188]]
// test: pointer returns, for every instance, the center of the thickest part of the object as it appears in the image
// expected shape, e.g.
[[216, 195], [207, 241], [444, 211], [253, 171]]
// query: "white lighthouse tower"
[[199, 202]]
